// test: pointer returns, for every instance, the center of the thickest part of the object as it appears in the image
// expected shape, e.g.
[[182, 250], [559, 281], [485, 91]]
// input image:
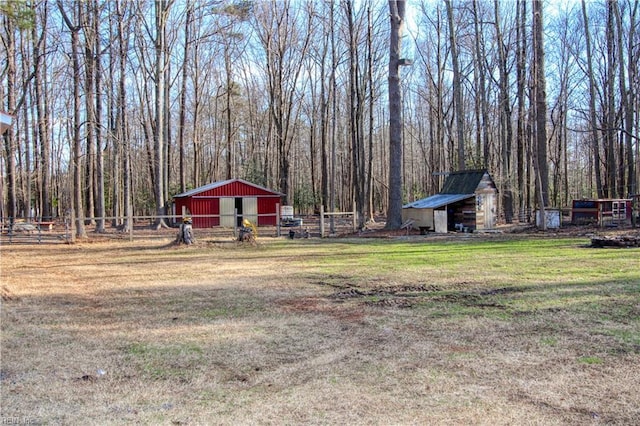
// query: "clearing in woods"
[[518, 330]]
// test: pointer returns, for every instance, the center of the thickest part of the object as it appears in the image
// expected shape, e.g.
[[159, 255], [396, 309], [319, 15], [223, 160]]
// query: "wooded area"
[[119, 105]]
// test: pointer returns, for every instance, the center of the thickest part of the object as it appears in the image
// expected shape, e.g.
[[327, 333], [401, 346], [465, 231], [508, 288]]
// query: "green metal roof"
[[463, 182]]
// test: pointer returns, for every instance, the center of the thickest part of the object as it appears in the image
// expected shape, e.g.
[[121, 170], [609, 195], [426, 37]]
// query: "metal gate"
[[35, 233]]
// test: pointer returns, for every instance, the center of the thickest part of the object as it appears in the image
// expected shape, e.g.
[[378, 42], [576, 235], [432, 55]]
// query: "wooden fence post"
[[355, 221], [73, 226]]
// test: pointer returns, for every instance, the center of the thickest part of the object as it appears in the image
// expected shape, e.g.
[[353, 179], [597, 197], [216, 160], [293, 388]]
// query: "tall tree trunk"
[[394, 210], [42, 112], [100, 191], [114, 21], [457, 88], [90, 102], [610, 125], [9, 136], [371, 129], [521, 73], [334, 114], [541, 108], [161, 12], [183, 99], [622, 87], [627, 188], [227, 110], [324, 114], [29, 137], [630, 98], [78, 204], [355, 122], [506, 131], [592, 105], [198, 163], [167, 138], [482, 82]]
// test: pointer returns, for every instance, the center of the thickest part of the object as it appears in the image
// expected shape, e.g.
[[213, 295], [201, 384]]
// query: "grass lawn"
[[518, 330]]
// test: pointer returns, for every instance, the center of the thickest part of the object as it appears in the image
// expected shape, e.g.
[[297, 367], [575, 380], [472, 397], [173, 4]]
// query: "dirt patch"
[[319, 306]]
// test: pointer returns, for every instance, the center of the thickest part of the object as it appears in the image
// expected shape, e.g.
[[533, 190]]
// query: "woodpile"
[[617, 241]]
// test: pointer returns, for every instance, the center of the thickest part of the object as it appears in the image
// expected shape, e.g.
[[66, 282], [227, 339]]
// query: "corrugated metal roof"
[[436, 201], [219, 184]]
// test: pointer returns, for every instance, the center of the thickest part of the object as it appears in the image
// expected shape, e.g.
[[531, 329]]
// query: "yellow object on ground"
[[247, 224]]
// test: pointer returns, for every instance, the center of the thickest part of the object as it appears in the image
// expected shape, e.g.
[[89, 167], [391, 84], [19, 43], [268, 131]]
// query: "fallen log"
[[623, 241]]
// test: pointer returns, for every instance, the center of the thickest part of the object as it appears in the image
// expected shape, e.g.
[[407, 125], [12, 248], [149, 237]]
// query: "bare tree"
[[610, 111], [183, 97], [357, 170], [521, 75], [506, 130], [539, 84], [482, 100], [9, 46], [89, 27], [78, 204], [626, 97], [162, 8], [39, 41], [457, 87], [394, 209], [285, 45], [592, 103]]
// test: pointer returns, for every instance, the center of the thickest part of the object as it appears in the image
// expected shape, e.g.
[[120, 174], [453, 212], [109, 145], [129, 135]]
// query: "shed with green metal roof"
[[467, 202]]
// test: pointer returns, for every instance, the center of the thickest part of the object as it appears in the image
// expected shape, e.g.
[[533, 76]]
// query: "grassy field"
[[536, 331]]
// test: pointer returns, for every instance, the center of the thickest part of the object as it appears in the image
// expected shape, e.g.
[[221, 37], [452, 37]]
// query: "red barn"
[[216, 204]]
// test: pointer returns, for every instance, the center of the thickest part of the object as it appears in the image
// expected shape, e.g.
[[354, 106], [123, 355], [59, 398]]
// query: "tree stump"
[[185, 235]]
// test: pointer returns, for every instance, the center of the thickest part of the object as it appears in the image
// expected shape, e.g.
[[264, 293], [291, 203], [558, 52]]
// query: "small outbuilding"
[[602, 212], [227, 203], [467, 202]]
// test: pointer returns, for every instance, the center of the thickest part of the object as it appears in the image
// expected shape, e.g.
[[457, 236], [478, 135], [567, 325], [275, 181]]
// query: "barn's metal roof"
[[219, 184], [437, 201]]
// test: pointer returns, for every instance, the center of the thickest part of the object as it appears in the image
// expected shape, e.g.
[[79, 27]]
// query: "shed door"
[[227, 211], [440, 221], [250, 209], [619, 211], [487, 210]]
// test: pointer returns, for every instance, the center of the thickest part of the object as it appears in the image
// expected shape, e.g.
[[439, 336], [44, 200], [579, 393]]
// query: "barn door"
[[250, 209], [227, 211]]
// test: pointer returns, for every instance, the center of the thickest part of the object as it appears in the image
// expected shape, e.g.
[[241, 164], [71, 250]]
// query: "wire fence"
[[64, 230]]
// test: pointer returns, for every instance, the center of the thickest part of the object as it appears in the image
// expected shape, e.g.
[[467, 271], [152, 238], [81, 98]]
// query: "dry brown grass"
[[229, 334]]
